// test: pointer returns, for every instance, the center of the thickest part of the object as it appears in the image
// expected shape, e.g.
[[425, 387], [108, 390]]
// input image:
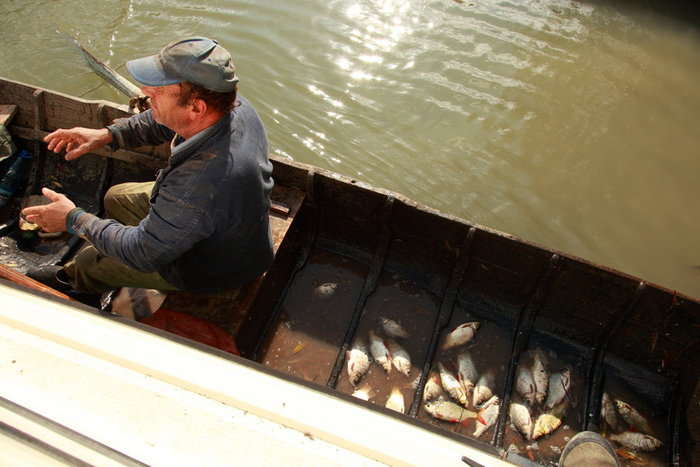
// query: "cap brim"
[[150, 72]]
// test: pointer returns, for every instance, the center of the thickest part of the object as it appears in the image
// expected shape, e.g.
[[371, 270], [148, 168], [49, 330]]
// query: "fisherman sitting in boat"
[[202, 225]]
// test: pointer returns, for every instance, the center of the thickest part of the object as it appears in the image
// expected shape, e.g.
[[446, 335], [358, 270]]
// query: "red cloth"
[[194, 328]]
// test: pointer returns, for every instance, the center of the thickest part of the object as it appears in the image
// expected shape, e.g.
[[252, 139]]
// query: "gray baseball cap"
[[198, 60]]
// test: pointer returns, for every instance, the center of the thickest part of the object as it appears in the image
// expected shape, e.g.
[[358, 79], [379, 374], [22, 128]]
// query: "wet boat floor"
[[318, 308], [23, 251]]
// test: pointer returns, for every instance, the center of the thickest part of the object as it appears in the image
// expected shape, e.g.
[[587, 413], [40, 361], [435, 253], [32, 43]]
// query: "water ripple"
[[550, 119]]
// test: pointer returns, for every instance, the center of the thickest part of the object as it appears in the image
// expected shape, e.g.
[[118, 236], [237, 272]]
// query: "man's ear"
[[198, 108]]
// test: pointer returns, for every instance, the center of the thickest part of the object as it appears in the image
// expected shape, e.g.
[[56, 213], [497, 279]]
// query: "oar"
[[121, 84]]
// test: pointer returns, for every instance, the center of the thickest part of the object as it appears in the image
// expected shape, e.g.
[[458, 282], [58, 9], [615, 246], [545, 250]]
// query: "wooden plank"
[[7, 113], [120, 154]]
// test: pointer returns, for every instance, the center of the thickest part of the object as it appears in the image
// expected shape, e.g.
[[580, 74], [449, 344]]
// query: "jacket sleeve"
[[138, 130], [173, 226]]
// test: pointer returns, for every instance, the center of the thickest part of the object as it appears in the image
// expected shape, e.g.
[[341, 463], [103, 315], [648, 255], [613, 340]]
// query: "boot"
[[588, 449], [51, 275]]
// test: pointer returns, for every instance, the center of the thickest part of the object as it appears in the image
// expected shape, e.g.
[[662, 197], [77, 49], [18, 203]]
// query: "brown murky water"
[[312, 322]]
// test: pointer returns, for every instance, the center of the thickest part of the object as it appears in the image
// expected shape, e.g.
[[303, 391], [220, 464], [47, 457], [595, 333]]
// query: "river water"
[[570, 124]]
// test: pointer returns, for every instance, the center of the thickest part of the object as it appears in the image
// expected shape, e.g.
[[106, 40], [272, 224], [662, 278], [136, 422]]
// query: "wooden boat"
[[349, 255]]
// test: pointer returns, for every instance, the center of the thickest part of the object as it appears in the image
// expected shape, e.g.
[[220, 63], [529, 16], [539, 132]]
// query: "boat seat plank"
[[7, 113]]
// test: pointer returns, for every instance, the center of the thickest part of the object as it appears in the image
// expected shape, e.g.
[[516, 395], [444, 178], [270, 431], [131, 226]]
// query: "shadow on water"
[[681, 10]]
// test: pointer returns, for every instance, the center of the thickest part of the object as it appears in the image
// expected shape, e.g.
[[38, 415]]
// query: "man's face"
[[165, 104]]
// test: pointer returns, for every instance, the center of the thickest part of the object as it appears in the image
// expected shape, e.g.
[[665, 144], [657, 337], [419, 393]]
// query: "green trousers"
[[91, 272]]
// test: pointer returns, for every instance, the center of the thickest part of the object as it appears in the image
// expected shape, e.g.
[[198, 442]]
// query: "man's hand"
[[78, 141], [50, 217]]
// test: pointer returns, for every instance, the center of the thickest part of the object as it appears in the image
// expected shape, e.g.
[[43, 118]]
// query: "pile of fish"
[[385, 349], [626, 426], [541, 398], [456, 392], [470, 394]]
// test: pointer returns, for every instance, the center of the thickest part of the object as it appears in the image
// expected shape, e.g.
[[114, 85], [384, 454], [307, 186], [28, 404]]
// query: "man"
[[202, 226]]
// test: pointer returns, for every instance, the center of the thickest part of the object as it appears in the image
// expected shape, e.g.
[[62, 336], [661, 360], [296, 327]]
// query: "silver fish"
[[483, 390], [466, 372], [399, 357], [460, 335], [540, 375], [379, 351], [448, 411], [395, 401], [545, 424], [633, 418], [558, 388], [608, 412], [393, 328], [452, 385], [525, 384], [636, 441], [433, 388], [358, 360], [325, 290], [487, 416], [520, 417]]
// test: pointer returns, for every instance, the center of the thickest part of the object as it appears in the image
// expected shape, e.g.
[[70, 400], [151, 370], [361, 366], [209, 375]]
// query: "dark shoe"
[[90, 299], [588, 449], [53, 276]]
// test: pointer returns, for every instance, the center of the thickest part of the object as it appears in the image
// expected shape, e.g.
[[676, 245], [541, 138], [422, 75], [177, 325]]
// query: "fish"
[[633, 418], [399, 357], [358, 361], [325, 290], [540, 376], [525, 384], [487, 416], [520, 418], [483, 389], [558, 388], [466, 372], [608, 412], [452, 385], [393, 328], [560, 409], [448, 411], [103, 70], [379, 351], [545, 424], [395, 401], [432, 388], [460, 335], [636, 441], [364, 392]]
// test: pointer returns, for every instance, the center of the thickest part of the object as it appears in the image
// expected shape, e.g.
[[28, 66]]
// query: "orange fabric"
[[194, 328]]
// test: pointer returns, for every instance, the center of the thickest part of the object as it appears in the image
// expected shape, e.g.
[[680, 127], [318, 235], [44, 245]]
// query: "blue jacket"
[[208, 225]]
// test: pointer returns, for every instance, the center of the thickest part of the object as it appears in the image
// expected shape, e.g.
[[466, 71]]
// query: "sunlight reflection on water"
[[552, 120]]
